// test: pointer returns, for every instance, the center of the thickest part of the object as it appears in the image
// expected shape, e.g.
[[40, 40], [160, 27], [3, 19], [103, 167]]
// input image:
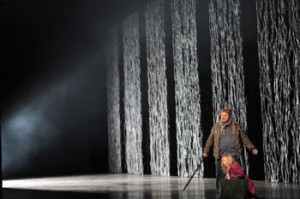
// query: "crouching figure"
[[232, 170]]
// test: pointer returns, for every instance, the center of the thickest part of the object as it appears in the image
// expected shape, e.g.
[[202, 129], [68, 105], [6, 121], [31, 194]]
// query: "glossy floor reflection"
[[130, 186]]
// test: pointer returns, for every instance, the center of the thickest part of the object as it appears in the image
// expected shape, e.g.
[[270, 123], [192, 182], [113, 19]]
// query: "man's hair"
[[226, 110]]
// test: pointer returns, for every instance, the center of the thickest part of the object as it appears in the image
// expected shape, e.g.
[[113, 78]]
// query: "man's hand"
[[254, 151], [204, 155]]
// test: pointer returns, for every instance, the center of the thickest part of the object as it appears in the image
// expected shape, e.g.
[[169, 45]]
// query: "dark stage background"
[[53, 95]]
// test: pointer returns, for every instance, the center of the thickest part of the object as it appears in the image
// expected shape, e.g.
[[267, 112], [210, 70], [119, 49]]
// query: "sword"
[[193, 175]]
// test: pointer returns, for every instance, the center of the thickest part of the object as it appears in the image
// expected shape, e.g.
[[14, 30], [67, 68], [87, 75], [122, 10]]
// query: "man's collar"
[[226, 123]]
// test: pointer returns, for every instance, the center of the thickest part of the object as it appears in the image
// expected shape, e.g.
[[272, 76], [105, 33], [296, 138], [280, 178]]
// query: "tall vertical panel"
[[187, 91], [227, 61], [132, 95], [113, 105], [157, 89], [1, 176], [278, 25]]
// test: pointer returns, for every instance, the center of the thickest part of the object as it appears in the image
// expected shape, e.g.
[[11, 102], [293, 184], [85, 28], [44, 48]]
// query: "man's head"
[[225, 115]]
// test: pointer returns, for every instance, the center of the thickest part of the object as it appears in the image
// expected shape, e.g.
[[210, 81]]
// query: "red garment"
[[236, 172]]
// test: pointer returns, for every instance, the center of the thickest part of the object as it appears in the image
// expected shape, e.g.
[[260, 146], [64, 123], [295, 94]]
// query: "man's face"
[[224, 117]]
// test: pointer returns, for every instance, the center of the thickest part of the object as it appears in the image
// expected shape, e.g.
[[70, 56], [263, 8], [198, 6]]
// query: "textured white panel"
[[132, 95], [187, 91], [278, 25], [113, 105], [157, 89], [227, 62]]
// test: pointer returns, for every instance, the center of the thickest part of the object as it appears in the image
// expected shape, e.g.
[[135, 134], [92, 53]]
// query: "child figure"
[[232, 170]]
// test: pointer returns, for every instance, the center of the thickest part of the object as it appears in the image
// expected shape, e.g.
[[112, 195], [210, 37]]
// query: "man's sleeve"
[[245, 139], [209, 142]]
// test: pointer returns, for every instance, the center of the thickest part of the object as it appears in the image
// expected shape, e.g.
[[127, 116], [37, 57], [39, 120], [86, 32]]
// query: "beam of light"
[[25, 132], [35, 127]]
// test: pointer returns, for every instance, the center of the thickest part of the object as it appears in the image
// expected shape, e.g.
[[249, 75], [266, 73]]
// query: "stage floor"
[[130, 186]]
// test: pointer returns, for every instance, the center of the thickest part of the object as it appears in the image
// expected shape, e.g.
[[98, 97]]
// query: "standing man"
[[226, 136]]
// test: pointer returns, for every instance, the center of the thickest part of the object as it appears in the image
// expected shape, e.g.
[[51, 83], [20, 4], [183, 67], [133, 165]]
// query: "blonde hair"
[[231, 160]]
